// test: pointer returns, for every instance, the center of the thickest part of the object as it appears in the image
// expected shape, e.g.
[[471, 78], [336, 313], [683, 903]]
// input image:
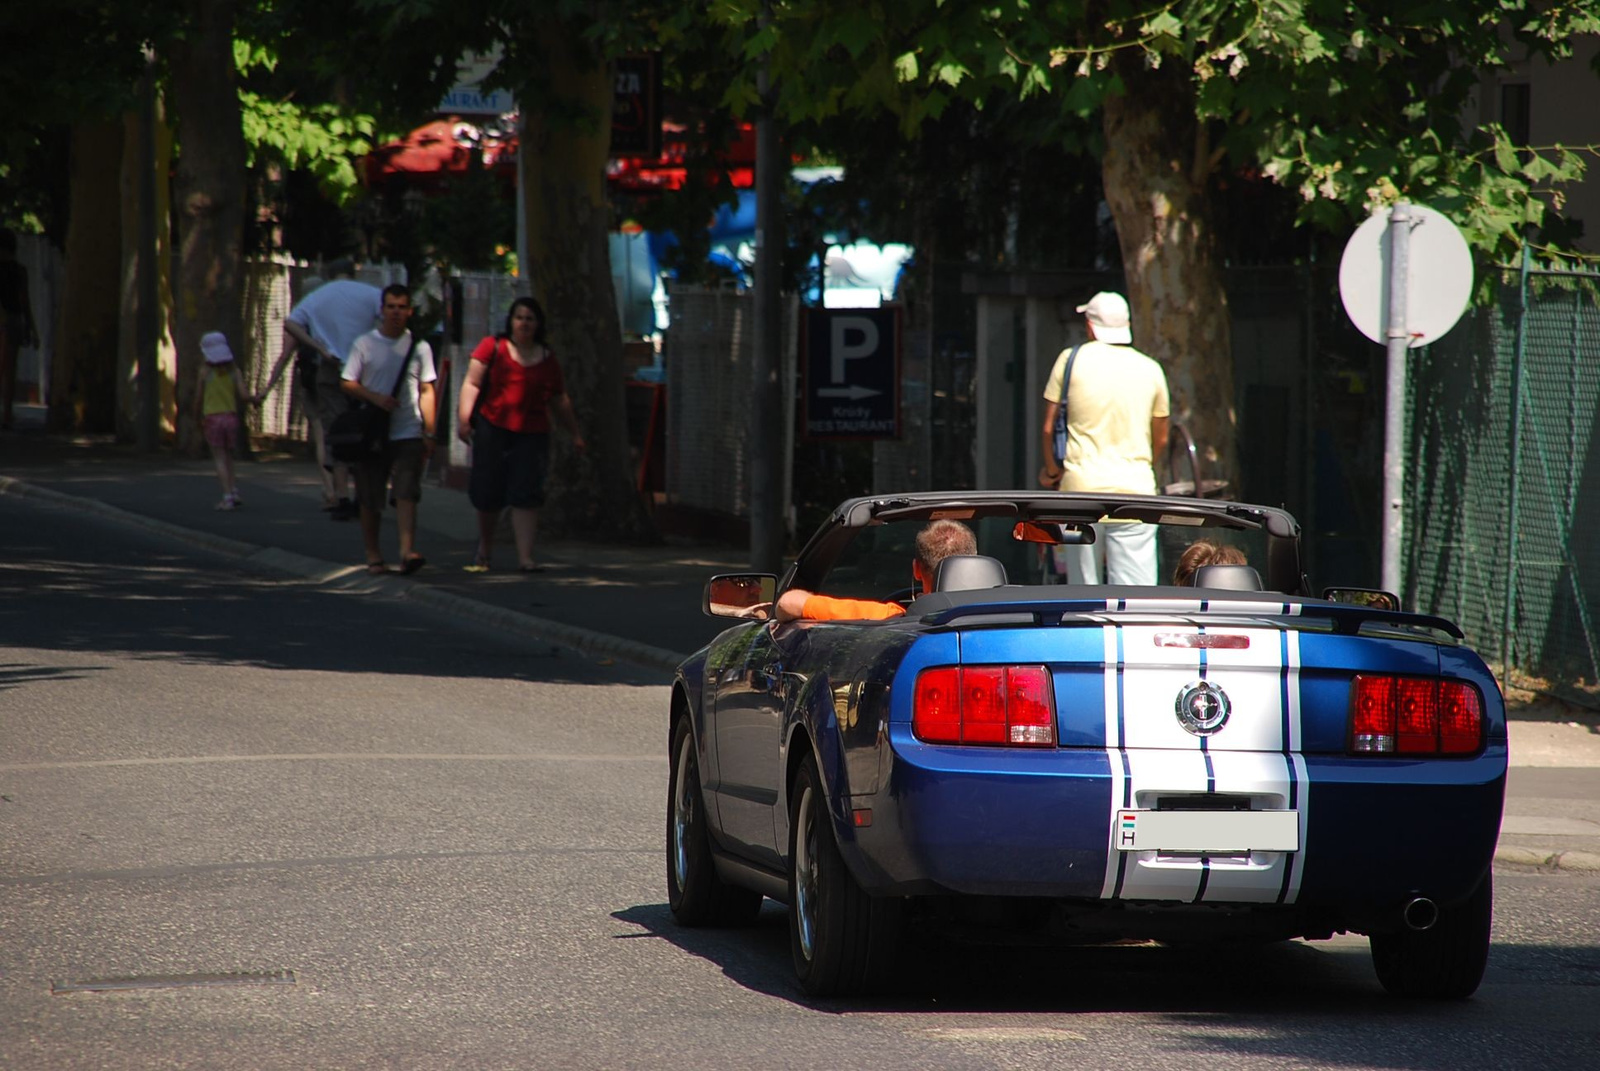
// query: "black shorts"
[[402, 464], [508, 467]]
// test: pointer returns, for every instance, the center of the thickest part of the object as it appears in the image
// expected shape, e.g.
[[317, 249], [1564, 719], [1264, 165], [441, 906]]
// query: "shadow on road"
[[140, 601], [1328, 990]]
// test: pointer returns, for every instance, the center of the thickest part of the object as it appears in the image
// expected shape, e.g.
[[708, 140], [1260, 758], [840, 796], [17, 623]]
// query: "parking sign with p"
[[852, 373]]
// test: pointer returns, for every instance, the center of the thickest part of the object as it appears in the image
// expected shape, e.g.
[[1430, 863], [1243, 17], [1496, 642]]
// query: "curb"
[[232, 548], [1572, 861], [356, 579]]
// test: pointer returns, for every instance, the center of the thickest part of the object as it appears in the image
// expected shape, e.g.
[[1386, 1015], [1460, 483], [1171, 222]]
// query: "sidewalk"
[[628, 602], [602, 599]]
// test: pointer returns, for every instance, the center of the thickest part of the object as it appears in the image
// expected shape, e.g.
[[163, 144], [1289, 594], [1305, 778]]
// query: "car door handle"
[[768, 680]]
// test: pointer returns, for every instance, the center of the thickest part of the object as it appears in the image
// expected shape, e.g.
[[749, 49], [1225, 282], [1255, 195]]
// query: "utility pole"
[[766, 405]]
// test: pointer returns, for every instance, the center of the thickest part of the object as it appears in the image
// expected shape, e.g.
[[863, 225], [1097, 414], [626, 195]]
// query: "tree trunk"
[[565, 146], [133, 262], [1155, 174], [83, 393], [210, 197]]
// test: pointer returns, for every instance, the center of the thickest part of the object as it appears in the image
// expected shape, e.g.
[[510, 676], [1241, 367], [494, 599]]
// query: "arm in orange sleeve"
[[826, 608]]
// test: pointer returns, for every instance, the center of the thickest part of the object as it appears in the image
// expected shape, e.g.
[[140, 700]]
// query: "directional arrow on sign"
[[855, 394]]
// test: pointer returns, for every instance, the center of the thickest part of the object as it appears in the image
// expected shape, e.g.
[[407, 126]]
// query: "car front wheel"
[[1445, 961], [842, 940], [697, 896]]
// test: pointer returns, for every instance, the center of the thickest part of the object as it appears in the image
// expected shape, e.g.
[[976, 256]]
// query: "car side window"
[[875, 565]]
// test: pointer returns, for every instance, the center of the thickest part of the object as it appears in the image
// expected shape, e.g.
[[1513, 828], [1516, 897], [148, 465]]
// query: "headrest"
[[968, 572], [1228, 577]]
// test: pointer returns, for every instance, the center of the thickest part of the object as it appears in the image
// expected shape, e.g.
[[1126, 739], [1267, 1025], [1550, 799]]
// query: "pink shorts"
[[222, 430]]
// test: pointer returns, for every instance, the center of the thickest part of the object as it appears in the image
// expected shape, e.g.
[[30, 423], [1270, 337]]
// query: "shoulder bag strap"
[[1059, 430], [411, 350]]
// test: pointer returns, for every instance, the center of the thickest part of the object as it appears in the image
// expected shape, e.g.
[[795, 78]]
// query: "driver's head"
[[936, 542]]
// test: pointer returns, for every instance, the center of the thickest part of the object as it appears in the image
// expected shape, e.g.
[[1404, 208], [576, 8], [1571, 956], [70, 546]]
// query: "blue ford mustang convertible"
[[1233, 760]]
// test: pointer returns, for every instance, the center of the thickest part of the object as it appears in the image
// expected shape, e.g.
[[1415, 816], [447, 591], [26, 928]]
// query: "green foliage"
[[1349, 103], [322, 138]]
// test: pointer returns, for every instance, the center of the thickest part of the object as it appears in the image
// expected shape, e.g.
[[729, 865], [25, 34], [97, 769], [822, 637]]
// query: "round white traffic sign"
[[1438, 282]]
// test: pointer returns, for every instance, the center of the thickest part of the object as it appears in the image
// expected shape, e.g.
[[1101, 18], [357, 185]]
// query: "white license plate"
[[1207, 831]]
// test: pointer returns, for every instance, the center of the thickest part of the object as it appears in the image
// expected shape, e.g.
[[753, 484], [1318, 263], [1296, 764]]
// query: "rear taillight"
[[1414, 716], [994, 705]]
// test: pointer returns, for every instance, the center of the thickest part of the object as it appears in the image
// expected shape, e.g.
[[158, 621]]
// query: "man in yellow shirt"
[[1117, 411]]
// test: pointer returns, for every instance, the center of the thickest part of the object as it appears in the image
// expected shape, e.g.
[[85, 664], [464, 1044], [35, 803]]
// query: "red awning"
[[439, 149], [637, 174], [444, 147]]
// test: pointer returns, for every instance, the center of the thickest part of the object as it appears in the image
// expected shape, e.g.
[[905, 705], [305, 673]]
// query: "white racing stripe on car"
[[1151, 754]]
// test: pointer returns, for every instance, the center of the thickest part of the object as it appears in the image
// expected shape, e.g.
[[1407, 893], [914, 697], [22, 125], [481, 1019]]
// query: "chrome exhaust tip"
[[1420, 913]]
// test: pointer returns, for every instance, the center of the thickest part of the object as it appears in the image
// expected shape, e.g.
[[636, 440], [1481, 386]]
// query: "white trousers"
[[1122, 553]]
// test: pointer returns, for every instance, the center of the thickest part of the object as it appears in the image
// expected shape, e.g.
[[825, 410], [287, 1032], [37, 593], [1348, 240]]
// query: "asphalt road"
[[452, 839]]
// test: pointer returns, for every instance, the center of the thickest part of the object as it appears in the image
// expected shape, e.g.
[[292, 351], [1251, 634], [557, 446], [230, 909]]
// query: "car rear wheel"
[[1445, 961], [842, 940], [697, 896]]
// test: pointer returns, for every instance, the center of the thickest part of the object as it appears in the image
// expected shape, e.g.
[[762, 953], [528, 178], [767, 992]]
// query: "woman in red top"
[[504, 413]]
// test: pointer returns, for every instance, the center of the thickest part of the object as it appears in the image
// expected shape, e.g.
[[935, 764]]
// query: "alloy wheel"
[[683, 811], [805, 875]]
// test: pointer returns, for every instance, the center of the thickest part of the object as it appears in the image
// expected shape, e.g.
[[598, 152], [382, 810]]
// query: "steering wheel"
[[903, 595]]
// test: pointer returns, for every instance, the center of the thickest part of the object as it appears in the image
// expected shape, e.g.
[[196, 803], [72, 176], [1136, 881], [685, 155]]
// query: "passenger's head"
[[522, 310], [340, 268], [936, 542], [1203, 552]]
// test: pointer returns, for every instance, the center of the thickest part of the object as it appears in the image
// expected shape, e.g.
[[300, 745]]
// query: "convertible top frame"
[[1283, 570]]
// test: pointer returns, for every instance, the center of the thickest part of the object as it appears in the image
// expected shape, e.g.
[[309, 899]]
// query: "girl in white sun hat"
[[217, 403]]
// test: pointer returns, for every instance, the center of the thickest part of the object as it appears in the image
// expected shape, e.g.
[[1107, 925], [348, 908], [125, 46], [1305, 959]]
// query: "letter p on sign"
[[854, 337]]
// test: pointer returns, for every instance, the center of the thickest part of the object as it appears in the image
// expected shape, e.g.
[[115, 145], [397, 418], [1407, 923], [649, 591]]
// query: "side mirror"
[[1054, 533], [1368, 597], [741, 595]]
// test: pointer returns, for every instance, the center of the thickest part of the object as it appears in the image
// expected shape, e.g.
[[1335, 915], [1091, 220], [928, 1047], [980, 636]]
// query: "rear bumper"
[[1375, 831]]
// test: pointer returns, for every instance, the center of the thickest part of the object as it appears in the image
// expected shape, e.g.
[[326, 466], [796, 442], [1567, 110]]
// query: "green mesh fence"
[[1503, 480]]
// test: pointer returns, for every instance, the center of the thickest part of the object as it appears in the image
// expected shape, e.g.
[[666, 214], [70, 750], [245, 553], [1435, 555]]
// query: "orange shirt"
[[826, 608]]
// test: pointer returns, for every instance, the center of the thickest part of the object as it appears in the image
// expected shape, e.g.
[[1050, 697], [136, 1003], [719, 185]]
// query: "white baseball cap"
[[214, 344], [1108, 312]]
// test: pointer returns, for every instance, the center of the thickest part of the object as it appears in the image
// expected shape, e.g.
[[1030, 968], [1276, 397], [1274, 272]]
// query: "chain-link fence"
[[1503, 490]]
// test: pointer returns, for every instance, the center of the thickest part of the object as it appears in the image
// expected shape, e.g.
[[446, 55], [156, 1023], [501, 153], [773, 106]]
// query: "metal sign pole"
[[765, 417], [1394, 424]]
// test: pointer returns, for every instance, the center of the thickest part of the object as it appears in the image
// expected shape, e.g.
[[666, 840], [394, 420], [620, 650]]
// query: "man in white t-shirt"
[[392, 370], [1117, 410]]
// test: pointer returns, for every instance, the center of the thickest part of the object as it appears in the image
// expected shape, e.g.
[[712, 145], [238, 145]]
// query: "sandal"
[[377, 568], [480, 563], [530, 568], [412, 563]]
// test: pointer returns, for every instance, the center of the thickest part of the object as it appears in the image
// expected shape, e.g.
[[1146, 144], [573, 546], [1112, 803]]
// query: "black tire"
[[1445, 961], [697, 896], [843, 941]]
